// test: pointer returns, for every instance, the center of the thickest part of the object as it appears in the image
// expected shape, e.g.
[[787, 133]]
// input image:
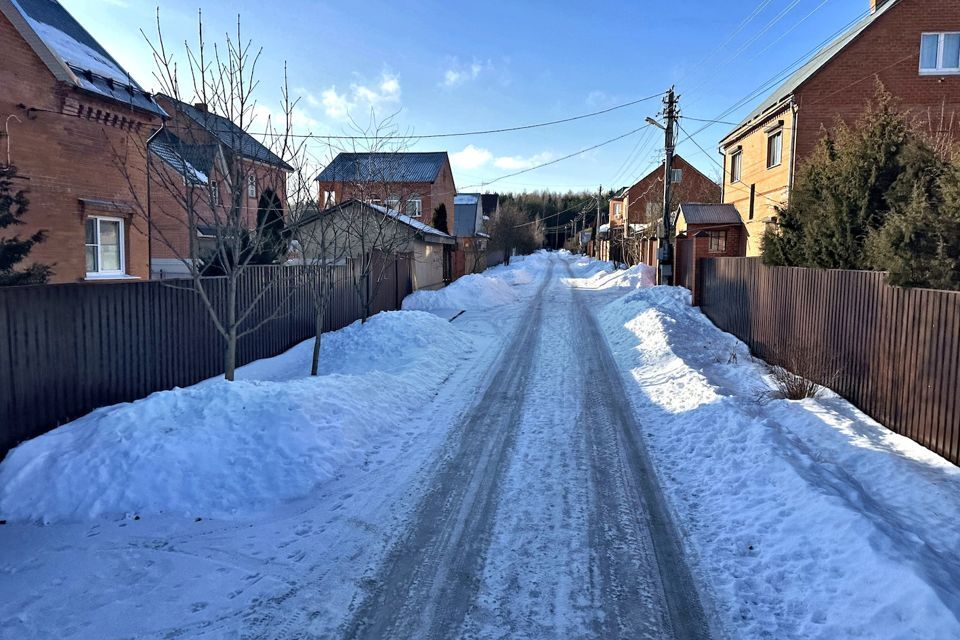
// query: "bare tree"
[[377, 218], [217, 173], [511, 232]]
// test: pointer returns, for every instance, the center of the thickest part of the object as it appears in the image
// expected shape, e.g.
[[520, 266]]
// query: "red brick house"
[[412, 183], [201, 151], [644, 200], [911, 46], [67, 109]]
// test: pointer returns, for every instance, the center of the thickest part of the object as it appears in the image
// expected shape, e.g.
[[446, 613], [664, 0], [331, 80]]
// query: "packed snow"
[[805, 519]]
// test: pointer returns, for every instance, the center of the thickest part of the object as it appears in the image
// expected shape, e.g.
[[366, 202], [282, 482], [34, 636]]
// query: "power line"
[[460, 134]]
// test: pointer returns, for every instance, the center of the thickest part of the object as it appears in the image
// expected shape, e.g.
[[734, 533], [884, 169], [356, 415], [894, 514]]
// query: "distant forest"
[[558, 209]]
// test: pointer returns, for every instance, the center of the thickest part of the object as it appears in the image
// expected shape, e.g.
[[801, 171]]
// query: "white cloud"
[[339, 106], [515, 163], [457, 73], [470, 158]]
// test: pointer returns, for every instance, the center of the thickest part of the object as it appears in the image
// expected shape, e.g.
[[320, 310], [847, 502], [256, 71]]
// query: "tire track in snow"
[[429, 579], [646, 588]]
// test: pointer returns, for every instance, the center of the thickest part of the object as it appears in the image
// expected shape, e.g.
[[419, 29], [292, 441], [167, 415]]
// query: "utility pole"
[[666, 248], [596, 228]]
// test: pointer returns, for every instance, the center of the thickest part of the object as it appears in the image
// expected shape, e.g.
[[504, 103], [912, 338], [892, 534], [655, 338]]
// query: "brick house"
[[413, 183], [911, 46], [201, 151], [68, 110], [644, 200]]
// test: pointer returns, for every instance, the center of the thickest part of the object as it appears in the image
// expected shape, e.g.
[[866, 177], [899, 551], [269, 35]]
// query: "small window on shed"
[[717, 241]]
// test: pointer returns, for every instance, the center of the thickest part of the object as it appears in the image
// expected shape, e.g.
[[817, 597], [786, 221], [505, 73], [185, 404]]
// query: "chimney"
[[202, 106], [876, 4]]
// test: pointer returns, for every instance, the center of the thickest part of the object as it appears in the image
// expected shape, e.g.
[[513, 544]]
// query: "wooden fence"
[[68, 349], [893, 352]]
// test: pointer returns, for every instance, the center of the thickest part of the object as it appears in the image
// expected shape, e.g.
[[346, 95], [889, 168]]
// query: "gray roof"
[[384, 167], [697, 213], [813, 65], [73, 55], [192, 161], [229, 134], [423, 230], [467, 214]]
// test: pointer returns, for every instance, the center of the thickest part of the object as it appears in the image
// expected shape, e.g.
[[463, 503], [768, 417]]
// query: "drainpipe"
[[163, 125]]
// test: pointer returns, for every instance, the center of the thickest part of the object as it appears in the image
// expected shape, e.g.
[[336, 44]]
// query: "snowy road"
[[544, 519]]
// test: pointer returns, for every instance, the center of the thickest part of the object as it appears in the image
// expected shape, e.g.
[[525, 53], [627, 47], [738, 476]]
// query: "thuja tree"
[[440, 218], [878, 195], [14, 249]]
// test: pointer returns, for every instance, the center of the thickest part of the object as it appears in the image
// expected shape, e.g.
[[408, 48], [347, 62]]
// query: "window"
[[717, 241], [104, 247], [393, 202], [676, 176], [736, 165], [215, 194], [940, 53], [414, 207], [617, 208], [654, 209], [329, 198], [251, 186], [774, 149]]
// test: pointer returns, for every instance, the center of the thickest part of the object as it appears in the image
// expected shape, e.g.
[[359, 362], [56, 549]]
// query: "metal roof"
[[697, 213], [423, 230], [812, 66], [229, 134], [73, 55], [384, 167], [193, 162]]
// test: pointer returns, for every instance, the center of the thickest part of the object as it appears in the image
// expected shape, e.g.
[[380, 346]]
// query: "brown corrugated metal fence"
[[68, 349], [893, 352]]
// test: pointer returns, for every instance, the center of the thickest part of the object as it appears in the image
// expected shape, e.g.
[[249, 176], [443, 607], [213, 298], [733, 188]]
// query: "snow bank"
[[493, 287], [805, 519], [220, 449]]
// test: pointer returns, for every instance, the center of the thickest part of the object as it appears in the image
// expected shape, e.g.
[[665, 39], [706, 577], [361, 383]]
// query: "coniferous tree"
[[440, 218], [14, 249]]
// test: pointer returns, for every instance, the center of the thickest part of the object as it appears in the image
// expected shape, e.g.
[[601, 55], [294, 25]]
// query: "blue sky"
[[456, 66]]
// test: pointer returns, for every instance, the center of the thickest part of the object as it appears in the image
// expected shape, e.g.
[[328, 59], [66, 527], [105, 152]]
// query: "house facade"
[[353, 228], [412, 183], [911, 46], [70, 116], [203, 160], [643, 201], [472, 240]]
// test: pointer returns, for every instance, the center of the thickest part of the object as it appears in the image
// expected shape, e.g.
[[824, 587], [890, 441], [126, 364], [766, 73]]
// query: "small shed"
[[705, 231]]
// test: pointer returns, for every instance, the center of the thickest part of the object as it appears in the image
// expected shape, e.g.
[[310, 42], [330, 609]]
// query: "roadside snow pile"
[[474, 291], [804, 519], [220, 449]]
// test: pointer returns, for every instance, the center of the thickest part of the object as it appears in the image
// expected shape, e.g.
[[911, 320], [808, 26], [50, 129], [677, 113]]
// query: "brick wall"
[[66, 158], [694, 187]]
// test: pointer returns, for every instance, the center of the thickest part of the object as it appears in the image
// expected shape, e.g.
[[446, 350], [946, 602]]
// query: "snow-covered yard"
[[268, 507]]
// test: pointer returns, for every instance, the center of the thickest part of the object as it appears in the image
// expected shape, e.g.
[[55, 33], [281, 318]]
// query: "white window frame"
[[736, 166], [939, 70], [392, 203], [215, 194], [251, 186], [329, 199], [121, 239], [676, 176], [617, 208], [419, 203], [779, 136]]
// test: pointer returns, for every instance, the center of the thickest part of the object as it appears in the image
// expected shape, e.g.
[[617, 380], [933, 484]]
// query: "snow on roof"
[[466, 198], [85, 63], [407, 220]]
